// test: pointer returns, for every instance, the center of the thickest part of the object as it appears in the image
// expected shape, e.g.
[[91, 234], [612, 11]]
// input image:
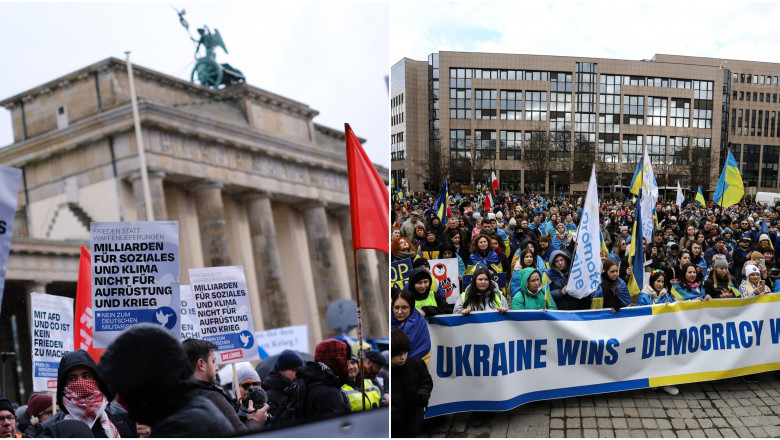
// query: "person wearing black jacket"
[[148, 369], [411, 387], [200, 354], [78, 367]]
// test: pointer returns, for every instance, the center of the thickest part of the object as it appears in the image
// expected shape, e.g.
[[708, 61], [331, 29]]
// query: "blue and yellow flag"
[[441, 202], [730, 189], [636, 181], [700, 197], [636, 253]]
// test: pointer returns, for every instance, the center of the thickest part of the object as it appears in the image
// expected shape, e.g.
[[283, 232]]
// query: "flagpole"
[[360, 331]]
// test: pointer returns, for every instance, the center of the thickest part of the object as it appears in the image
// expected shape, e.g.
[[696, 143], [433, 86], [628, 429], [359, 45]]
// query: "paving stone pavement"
[[715, 409]]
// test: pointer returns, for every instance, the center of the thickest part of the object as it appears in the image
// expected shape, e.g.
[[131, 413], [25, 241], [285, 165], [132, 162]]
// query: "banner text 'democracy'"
[[502, 361]]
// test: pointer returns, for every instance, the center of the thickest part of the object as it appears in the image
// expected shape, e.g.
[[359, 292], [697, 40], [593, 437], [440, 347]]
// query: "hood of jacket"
[[553, 273], [419, 274], [317, 372], [524, 244], [71, 360], [523, 278]]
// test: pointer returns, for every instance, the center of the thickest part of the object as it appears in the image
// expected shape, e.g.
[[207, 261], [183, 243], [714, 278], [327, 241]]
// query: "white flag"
[[680, 198], [586, 267], [649, 188]]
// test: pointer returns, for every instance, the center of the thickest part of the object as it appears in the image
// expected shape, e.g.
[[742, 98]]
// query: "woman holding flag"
[[720, 283], [613, 292]]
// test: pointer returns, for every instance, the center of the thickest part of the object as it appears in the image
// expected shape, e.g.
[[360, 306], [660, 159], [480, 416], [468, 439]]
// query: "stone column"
[[370, 290], [21, 227], [157, 192], [383, 264], [35, 286], [213, 226], [268, 266], [372, 294], [346, 237], [321, 253]]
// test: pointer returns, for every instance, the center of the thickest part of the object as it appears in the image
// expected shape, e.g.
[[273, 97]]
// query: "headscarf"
[[86, 403]]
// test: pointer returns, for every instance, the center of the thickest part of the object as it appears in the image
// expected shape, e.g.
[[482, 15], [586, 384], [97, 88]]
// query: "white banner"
[[649, 197], [276, 340], [135, 277], [224, 314], [445, 270], [488, 361], [51, 328], [190, 327], [9, 193], [585, 275]]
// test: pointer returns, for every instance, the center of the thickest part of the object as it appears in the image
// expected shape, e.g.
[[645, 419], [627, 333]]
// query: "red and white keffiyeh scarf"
[[86, 403]]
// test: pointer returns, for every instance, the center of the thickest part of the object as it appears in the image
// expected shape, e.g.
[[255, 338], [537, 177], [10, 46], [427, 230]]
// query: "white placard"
[[445, 270], [51, 330], [190, 328], [276, 340], [224, 313], [135, 277]]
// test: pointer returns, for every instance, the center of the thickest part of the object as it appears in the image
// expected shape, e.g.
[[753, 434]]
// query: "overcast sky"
[[623, 30], [330, 56]]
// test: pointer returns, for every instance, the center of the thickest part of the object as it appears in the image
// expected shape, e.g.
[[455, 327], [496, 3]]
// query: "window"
[[680, 112], [485, 104], [512, 105], [633, 110], [656, 111], [460, 93], [678, 150], [460, 148], [535, 106], [769, 166], [656, 149], [750, 164], [397, 147], [632, 148], [609, 147], [484, 144], [511, 145]]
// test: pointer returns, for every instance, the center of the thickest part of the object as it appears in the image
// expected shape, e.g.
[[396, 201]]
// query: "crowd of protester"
[[149, 384], [697, 253]]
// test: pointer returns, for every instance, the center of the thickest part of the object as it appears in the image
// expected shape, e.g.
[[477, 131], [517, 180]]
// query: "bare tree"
[[584, 156], [535, 156]]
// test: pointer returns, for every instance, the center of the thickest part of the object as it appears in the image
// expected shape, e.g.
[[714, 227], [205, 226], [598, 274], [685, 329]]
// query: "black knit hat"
[[287, 360], [145, 365]]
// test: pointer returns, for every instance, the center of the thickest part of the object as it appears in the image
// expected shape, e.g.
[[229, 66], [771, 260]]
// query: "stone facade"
[[249, 176]]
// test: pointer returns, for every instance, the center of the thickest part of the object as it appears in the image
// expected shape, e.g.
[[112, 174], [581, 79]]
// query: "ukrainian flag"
[[700, 197], [636, 181], [730, 189], [636, 254], [441, 202]]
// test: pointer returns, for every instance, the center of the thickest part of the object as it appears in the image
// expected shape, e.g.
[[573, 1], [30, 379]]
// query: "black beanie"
[[145, 365]]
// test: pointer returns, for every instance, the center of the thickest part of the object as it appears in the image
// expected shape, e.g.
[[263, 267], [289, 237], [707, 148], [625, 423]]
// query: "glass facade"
[[511, 145]]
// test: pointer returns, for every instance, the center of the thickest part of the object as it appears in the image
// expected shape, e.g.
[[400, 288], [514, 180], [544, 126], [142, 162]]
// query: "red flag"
[[82, 330], [488, 202], [369, 199]]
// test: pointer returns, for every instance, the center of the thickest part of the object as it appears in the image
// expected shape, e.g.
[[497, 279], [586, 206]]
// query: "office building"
[[542, 121]]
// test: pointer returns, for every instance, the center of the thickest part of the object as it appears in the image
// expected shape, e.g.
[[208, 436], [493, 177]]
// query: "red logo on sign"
[[230, 355], [51, 384]]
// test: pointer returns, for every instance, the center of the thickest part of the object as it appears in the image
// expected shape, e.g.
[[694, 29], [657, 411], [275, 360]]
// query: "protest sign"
[[445, 270], [224, 314], [51, 328], [499, 278], [9, 189], [276, 340], [135, 277], [399, 273], [487, 361], [190, 327]]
